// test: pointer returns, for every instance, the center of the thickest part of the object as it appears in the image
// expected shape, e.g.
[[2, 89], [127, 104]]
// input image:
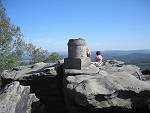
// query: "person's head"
[[98, 53]]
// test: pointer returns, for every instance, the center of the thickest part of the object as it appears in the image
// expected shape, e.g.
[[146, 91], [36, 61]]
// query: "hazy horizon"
[[105, 24], [138, 50]]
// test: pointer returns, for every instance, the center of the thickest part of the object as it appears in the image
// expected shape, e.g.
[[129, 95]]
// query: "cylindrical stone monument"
[[77, 48], [77, 57]]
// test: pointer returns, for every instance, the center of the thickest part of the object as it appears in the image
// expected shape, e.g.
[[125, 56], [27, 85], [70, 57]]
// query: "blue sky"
[[105, 24]]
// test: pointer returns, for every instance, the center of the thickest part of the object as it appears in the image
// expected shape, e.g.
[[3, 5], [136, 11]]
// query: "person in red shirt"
[[88, 52], [98, 58]]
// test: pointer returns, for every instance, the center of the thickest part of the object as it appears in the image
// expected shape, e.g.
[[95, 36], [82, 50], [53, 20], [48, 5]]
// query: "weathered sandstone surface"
[[50, 88]]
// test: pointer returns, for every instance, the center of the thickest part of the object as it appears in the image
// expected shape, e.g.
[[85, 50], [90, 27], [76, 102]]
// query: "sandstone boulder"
[[45, 80], [31, 71], [15, 98], [114, 87], [112, 66]]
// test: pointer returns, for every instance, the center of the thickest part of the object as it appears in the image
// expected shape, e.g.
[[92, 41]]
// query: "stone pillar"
[[77, 58], [76, 48]]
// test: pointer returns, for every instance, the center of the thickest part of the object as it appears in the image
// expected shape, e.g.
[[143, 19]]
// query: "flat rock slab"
[[36, 70]]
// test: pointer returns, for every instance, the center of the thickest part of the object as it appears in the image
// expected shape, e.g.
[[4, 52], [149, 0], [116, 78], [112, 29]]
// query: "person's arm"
[[101, 58]]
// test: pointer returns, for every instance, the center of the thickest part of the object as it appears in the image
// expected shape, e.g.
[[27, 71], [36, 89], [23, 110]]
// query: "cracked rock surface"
[[115, 87], [15, 98]]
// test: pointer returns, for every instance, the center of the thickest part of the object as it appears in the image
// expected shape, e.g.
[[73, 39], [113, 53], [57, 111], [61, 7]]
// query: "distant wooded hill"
[[140, 58]]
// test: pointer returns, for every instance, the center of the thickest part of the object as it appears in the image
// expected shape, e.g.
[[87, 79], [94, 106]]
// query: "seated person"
[[98, 58]]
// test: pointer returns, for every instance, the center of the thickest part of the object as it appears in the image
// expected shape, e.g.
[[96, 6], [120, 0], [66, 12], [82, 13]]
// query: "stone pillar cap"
[[77, 42]]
